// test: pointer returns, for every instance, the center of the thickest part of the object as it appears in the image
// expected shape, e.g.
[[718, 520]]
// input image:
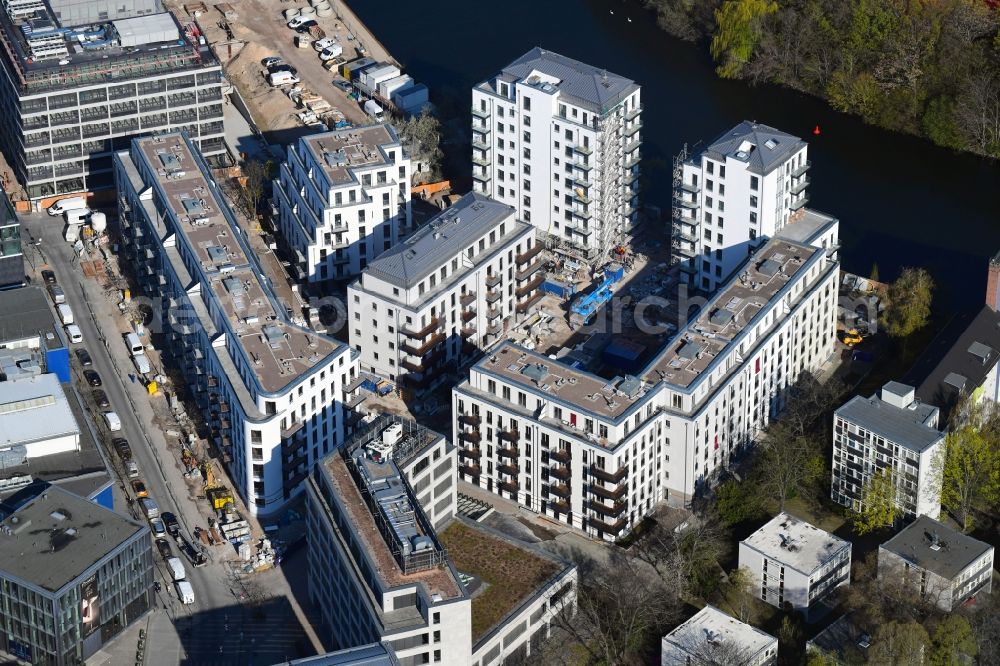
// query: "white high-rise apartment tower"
[[744, 187], [559, 141]]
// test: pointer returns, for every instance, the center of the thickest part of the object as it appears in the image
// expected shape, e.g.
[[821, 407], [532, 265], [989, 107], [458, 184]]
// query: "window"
[[754, 183], [526, 103], [753, 201]]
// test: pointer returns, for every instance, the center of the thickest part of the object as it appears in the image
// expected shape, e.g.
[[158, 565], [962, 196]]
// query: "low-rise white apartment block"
[[599, 453], [891, 433], [343, 198], [744, 187], [795, 563], [559, 141], [271, 392], [947, 568], [381, 570], [712, 637], [453, 287]]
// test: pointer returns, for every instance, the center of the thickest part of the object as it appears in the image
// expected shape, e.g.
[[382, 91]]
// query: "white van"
[[374, 110], [114, 423], [133, 344], [176, 568], [74, 334], [63, 205], [142, 364], [281, 78], [184, 592], [65, 314], [76, 216], [58, 295]]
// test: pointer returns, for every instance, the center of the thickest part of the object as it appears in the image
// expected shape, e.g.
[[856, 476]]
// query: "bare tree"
[[686, 560], [978, 112], [250, 190], [788, 464], [740, 591]]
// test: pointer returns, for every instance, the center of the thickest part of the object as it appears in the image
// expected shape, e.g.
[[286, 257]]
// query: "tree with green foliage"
[[736, 502], [741, 593], [969, 472], [908, 303], [899, 644], [878, 503], [788, 464], [953, 642], [422, 137], [739, 25]]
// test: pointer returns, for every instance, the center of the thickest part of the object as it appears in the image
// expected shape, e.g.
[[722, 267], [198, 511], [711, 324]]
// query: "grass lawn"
[[816, 516], [510, 573]]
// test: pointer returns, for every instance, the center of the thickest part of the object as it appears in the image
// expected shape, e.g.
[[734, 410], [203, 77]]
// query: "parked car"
[[270, 61], [158, 529], [282, 67], [331, 52], [101, 398], [83, 356], [57, 294], [344, 85], [150, 508], [163, 546], [92, 378], [301, 21], [74, 333], [139, 488], [131, 469], [170, 520], [122, 447], [321, 44], [114, 423], [304, 28], [49, 276]]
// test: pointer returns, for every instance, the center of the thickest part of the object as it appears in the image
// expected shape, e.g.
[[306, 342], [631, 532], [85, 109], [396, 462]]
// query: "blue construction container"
[[57, 362], [615, 272], [557, 288]]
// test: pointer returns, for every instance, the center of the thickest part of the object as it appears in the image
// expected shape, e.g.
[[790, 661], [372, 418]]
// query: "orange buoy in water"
[[816, 130]]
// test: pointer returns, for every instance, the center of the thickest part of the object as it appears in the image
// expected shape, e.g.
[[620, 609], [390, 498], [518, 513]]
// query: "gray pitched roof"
[[771, 147], [956, 553], [902, 426], [591, 86], [444, 236]]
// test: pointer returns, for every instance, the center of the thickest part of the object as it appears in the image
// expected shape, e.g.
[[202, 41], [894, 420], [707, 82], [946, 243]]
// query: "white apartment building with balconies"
[[559, 141], [271, 393], [792, 562], [599, 453], [452, 288], [891, 433], [343, 198], [746, 186]]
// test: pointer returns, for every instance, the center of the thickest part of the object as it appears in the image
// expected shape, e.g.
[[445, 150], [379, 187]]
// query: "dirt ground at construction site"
[[257, 29]]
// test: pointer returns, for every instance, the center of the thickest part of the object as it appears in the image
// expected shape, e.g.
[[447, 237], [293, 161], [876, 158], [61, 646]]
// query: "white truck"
[[176, 568], [63, 205], [184, 591], [373, 109], [75, 219], [65, 314], [142, 364]]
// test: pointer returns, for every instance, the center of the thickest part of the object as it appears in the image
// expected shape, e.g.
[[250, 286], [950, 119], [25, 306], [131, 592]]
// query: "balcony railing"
[[422, 333], [470, 470], [479, 113], [509, 435], [509, 486], [561, 490], [432, 342], [492, 280], [610, 477], [560, 472], [493, 296], [531, 286], [526, 273], [613, 510], [608, 493], [470, 419], [470, 453], [526, 305], [802, 169], [560, 506], [470, 436], [561, 455], [529, 254], [468, 315], [467, 299], [509, 469], [608, 528]]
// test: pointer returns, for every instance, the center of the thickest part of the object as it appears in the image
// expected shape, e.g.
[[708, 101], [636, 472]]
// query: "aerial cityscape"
[[592, 333]]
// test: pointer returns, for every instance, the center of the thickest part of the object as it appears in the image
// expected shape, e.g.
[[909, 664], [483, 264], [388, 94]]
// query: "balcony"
[[482, 177], [561, 490], [632, 161], [614, 510], [632, 146], [799, 203], [526, 273], [583, 166], [632, 113], [610, 477], [685, 203], [509, 435], [468, 315], [479, 113], [432, 342], [493, 296], [581, 181], [480, 162], [685, 236], [509, 486], [470, 419], [799, 186], [467, 299], [482, 129], [470, 470], [530, 287], [470, 453], [529, 254], [690, 188], [608, 528], [480, 145], [561, 455], [581, 149], [608, 493], [291, 429], [470, 436], [422, 333], [562, 472], [509, 452], [802, 169], [526, 305], [633, 128], [493, 313], [495, 329], [685, 251], [509, 469], [492, 280], [468, 332], [560, 506]]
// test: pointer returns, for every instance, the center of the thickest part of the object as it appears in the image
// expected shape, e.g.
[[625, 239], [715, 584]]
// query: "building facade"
[[72, 96], [712, 637], [944, 566], [559, 141], [11, 252], [454, 287], [271, 393], [343, 199], [893, 434], [794, 563], [598, 454], [66, 595], [743, 188]]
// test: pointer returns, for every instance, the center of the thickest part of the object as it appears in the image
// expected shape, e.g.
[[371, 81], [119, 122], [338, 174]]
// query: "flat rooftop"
[[341, 152], [731, 311], [796, 544], [278, 351], [955, 551], [444, 236], [34, 409], [905, 426], [24, 313], [406, 438], [806, 226], [711, 626], [541, 375], [57, 536], [375, 654]]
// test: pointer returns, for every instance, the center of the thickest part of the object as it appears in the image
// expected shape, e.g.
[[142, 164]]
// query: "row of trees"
[[928, 68]]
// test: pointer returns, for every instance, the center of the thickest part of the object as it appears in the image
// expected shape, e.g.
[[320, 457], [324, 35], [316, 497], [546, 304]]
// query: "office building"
[[944, 566], [795, 564], [599, 453], [271, 393], [380, 571], [81, 78], [559, 141], [712, 637], [891, 433], [74, 575], [456, 286], [743, 187], [376, 654], [11, 252], [343, 199]]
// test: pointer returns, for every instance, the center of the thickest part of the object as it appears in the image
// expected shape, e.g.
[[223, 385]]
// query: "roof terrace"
[[342, 151], [278, 351]]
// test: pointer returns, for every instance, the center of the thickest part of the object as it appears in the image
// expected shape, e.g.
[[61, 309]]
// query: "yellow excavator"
[[851, 337]]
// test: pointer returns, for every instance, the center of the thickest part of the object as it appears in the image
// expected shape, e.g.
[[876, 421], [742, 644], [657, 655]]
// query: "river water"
[[901, 201]]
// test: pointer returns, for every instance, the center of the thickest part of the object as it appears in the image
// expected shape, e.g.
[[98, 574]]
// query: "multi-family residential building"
[[712, 637], [559, 141], [11, 252], [599, 453], [271, 392], [81, 79], [742, 188], [891, 433], [380, 571], [946, 567], [73, 576], [453, 287], [343, 199], [795, 563]]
